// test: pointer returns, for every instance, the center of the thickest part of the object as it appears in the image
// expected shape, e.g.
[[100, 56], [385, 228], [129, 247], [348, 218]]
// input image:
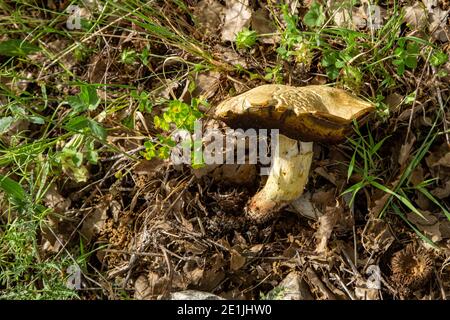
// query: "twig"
[[415, 98], [441, 106], [123, 155], [444, 295], [343, 286], [315, 280]]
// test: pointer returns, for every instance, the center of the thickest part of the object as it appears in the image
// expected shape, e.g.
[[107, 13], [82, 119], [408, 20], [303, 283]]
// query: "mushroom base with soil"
[[287, 178]]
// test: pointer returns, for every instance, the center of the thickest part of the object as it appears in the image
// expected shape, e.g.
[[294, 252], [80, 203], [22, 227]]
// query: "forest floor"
[[91, 206]]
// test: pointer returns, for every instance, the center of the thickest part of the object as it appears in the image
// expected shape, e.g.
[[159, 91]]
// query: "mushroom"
[[303, 115]]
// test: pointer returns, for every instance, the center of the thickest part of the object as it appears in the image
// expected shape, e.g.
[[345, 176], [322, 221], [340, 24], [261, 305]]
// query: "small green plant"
[[382, 109], [85, 131], [18, 113], [438, 58], [333, 61], [128, 56], [143, 56], [365, 150], [17, 48], [406, 55], [86, 100], [178, 115], [337, 65], [143, 99], [276, 293], [86, 126], [161, 148], [315, 16], [274, 74], [73, 157], [245, 39], [338, 62], [24, 272], [293, 43]]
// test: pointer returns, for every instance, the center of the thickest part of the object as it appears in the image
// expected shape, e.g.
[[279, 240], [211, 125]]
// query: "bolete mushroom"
[[303, 115]]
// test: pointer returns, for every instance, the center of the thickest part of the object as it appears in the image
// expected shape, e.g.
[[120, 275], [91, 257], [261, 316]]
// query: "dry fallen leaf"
[[416, 16], [211, 279], [214, 274], [256, 248], [237, 16], [150, 287], [439, 28], [437, 162], [237, 260], [430, 4], [168, 90], [417, 176], [377, 236], [142, 288], [98, 68], [405, 151], [194, 276], [327, 222], [318, 286], [53, 199], [364, 293], [230, 56], [293, 287], [342, 13], [330, 176], [206, 84], [149, 167], [94, 222], [443, 192], [209, 15], [433, 227], [263, 24], [393, 100], [303, 206], [444, 161]]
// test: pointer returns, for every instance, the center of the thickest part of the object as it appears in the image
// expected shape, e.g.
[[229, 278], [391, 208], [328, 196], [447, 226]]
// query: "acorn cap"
[[311, 113]]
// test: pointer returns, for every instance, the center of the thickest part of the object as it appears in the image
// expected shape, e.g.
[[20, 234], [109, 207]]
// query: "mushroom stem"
[[287, 178]]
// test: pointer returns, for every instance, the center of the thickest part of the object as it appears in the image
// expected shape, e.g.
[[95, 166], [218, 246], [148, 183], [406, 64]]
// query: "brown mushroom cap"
[[311, 113]]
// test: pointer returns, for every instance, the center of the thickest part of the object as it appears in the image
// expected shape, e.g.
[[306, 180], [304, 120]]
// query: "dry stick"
[[255, 286], [387, 285], [355, 249], [350, 262], [444, 295], [352, 297], [359, 274], [141, 247], [123, 155], [145, 254], [415, 98], [107, 175], [169, 266], [180, 195], [315, 280], [441, 105]]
